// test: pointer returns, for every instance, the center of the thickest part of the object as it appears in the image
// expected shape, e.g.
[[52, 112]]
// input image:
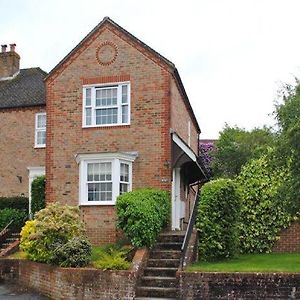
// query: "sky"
[[232, 55]]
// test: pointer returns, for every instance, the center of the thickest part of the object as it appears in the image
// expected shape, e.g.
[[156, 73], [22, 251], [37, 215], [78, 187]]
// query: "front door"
[[176, 200]]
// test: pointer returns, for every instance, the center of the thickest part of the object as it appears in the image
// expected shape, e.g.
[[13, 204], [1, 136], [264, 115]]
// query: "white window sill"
[[39, 146], [105, 125], [98, 203]]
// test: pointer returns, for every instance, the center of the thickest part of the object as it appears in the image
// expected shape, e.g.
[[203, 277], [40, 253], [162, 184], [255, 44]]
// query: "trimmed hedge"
[[142, 214], [217, 221], [16, 202], [38, 194]]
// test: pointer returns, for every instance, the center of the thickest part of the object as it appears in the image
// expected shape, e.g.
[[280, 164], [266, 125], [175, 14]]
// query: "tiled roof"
[[26, 89]]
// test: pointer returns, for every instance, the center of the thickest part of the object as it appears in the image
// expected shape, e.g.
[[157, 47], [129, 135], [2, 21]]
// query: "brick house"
[[22, 124], [118, 118]]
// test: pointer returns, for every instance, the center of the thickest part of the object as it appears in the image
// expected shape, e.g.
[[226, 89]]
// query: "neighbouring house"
[[22, 124], [118, 118]]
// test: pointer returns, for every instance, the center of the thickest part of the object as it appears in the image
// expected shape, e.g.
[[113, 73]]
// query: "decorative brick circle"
[[106, 53]]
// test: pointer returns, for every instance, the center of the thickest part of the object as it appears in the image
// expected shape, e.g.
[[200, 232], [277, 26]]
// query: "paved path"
[[9, 291]]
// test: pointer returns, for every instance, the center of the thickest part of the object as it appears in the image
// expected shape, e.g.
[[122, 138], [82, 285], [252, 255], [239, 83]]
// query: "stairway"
[[159, 278], [9, 244]]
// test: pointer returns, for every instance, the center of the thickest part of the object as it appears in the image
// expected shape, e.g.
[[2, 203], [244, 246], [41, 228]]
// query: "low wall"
[[194, 285], [74, 283], [289, 240]]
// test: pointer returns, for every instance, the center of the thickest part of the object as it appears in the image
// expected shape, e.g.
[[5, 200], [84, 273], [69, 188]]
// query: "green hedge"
[[217, 220], [16, 202], [17, 215], [142, 214], [264, 210], [38, 194]]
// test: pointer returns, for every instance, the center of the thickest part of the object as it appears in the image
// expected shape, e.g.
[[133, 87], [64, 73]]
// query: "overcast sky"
[[231, 54]]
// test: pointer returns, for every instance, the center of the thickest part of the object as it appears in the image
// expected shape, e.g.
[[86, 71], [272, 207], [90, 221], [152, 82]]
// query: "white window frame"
[[115, 159], [43, 129], [119, 105]]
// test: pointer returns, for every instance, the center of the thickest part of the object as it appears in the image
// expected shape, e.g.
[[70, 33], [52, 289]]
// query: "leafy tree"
[[288, 146], [236, 147]]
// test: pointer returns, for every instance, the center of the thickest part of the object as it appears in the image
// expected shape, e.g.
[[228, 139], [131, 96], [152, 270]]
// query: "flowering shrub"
[[206, 154]]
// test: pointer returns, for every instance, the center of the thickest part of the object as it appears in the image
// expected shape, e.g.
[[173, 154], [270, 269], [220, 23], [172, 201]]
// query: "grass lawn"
[[273, 262]]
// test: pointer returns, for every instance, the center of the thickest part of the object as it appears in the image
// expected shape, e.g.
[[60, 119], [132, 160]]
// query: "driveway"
[[10, 291]]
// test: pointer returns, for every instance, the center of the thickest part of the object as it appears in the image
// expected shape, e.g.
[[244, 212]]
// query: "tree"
[[236, 147], [288, 146]]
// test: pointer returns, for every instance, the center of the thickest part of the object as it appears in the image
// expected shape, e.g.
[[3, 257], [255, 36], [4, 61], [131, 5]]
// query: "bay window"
[[103, 177]]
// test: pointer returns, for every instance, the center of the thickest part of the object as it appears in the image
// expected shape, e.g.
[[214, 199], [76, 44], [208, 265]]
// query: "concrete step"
[[171, 237], [153, 298], [168, 246], [147, 291], [165, 254], [163, 272], [163, 262], [159, 281]]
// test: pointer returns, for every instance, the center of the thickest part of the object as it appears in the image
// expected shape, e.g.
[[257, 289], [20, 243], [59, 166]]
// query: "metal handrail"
[[189, 230], [6, 227]]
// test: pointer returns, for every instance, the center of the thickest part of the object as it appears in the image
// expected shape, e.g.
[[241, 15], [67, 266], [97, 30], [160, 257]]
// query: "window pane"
[[88, 116], [106, 96], [106, 116], [125, 114], [88, 97], [123, 188], [124, 172], [41, 137], [124, 94], [41, 121], [99, 171]]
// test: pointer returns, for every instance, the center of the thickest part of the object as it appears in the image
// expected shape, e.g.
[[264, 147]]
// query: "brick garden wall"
[[72, 284], [289, 239], [238, 286], [17, 147]]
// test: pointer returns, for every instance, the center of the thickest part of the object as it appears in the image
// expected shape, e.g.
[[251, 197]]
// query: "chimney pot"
[[3, 48], [12, 47]]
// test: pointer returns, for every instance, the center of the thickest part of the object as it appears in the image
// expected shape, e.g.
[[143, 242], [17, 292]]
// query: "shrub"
[[217, 220], [74, 253], [264, 212], [18, 216], [111, 258], [14, 202], [38, 194], [142, 214], [52, 228]]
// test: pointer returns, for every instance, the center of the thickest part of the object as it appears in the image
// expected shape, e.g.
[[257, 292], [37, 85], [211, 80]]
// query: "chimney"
[[9, 62]]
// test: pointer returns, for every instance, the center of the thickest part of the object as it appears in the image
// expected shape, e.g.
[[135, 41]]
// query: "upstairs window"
[[107, 105], [40, 130]]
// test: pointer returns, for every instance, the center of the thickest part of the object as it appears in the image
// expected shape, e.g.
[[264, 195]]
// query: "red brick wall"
[[180, 117], [75, 283], [289, 240], [148, 133], [17, 131]]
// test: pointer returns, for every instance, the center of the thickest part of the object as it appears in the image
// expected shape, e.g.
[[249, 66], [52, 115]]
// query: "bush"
[[217, 220], [14, 202], [264, 211], [52, 228], [38, 194], [142, 214], [74, 253], [18, 216], [112, 258]]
